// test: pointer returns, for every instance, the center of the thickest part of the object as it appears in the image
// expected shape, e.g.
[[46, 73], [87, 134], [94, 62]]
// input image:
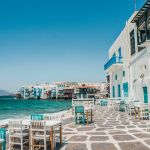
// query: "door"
[[145, 94]]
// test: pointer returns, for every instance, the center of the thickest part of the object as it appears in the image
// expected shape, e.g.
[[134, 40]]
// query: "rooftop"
[[86, 87], [145, 7]]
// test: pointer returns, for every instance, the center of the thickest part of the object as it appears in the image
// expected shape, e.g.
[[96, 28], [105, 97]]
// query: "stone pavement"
[[110, 130]]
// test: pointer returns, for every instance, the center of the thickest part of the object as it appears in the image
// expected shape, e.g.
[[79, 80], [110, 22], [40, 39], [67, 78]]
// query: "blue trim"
[[113, 91], [113, 60], [119, 50], [116, 77], [125, 89], [145, 94], [119, 92], [123, 73]]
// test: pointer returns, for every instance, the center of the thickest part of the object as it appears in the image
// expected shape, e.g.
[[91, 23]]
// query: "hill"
[[2, 92]]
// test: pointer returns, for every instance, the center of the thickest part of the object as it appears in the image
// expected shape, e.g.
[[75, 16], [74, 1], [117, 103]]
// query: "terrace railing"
[[113, 60]]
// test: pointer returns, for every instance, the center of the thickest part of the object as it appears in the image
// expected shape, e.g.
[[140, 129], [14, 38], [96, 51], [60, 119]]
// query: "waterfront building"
[[61, 86], [129, 59], [38, 91], [69, 90], [85, 91], [101, 86]]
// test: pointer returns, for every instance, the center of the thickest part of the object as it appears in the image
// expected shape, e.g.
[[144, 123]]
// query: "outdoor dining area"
[[82, 110], [38, 131], [140, 110]]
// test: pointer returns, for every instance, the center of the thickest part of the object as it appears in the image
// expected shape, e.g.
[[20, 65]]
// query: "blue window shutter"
[[145, 95], [123, 73], [113, 91], [119, 93], [125, 89], [116, 77], [119, 50]]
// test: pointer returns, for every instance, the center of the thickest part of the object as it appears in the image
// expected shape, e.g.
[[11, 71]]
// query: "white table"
[[1, 140], [49, 123]]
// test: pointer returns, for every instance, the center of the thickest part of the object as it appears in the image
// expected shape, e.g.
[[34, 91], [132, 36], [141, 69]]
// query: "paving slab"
[[103, 146], [99, 138], [123, 137], [133, 146], [142, 135], [78, 138], [76, 146]]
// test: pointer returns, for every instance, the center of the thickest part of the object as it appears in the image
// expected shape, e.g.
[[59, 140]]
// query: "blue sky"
[[58, 40]]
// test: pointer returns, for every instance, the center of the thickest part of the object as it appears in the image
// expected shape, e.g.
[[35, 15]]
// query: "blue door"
[[125, 89], [114, 91], [145, 94], [119, 93]]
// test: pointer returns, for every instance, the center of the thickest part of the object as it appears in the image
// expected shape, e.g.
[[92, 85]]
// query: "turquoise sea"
[[21, 108]]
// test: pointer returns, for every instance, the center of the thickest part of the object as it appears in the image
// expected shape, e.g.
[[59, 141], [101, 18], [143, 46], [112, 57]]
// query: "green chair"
[[102, 103], [36, 117], [3, 136], [105, 103], [121, 104], [79, 110]]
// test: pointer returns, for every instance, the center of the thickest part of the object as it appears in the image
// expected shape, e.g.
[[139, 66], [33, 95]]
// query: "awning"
[[141, 12]]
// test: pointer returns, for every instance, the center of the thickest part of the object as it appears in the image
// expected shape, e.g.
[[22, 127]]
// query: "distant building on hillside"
[[69, 90], [38, 91], [84, 90]]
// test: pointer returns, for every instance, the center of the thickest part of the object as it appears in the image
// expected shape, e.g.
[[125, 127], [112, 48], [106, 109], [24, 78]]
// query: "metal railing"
[[113, 60]]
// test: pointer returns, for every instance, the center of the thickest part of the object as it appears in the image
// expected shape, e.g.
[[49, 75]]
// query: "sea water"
[[22, 109]]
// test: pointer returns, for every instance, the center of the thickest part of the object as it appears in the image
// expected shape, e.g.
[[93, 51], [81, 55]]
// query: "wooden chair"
[[38, 133], [17, 134], [54, 117]]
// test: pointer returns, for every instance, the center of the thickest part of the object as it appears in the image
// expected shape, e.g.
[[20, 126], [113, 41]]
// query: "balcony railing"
[[113, 60]]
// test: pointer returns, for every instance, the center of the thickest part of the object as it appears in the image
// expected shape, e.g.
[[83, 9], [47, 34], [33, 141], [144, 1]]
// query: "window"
[[132, 41], [123, 73], [142, 68], [140, 48], [125, 89], [116, 77], [119, 50]]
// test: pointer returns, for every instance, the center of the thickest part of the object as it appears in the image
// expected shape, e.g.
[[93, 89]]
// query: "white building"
[[129, 59], [39, 91], [100, 86]]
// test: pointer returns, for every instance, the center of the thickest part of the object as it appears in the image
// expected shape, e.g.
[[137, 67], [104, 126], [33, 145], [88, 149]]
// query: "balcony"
[[113, 64]]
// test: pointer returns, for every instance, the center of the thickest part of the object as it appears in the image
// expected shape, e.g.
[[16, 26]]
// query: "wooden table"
[[86, 110], [49, 123], [1, 140]]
